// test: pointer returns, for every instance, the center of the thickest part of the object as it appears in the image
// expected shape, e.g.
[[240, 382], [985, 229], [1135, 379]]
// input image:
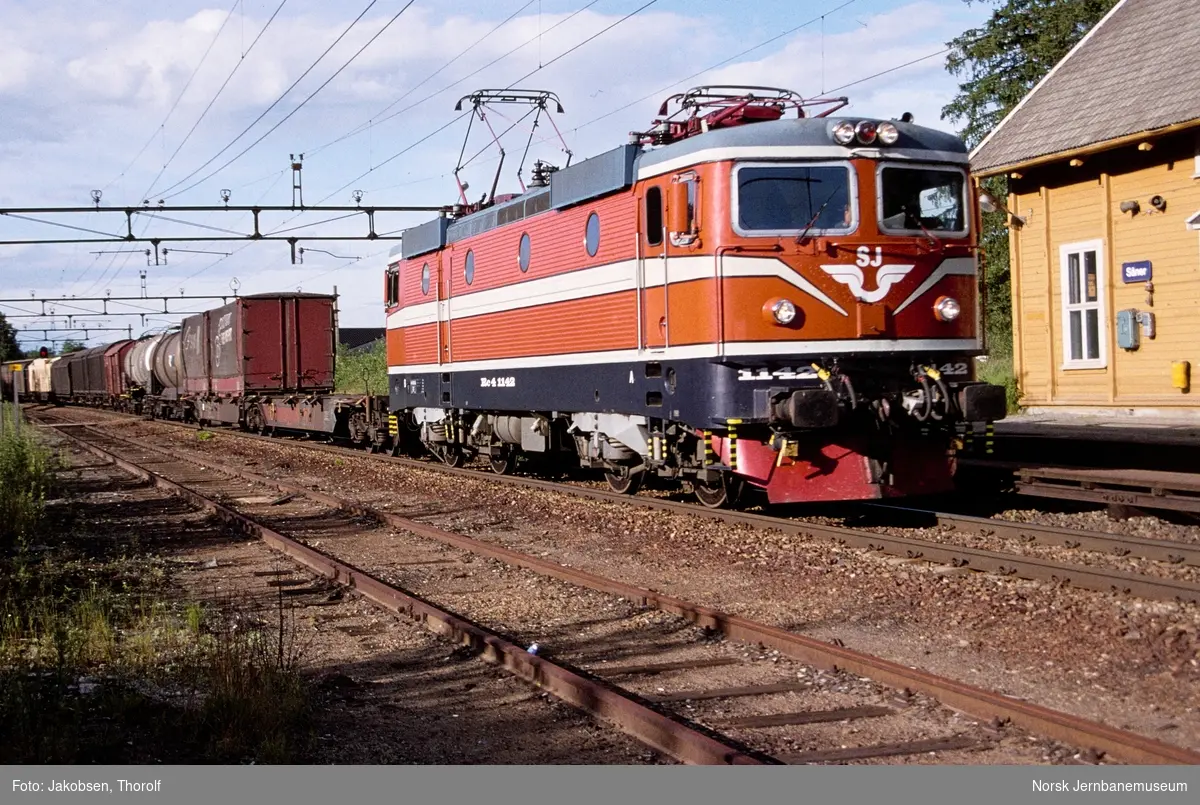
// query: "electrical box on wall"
[[1146, 319], [1127, 329]]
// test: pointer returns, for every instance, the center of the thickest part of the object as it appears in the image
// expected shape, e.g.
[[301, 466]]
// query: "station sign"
[[1140, 271]]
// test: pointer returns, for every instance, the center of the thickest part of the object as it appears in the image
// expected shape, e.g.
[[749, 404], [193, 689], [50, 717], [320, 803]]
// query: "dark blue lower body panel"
[[700, 392]]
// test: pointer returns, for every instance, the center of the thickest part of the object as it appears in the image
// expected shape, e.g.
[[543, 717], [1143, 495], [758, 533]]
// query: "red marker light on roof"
[[866, 131]]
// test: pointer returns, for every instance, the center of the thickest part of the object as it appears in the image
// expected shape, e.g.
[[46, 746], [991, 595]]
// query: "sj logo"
[[853, 277]]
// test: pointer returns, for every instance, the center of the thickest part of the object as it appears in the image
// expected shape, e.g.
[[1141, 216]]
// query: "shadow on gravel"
[[102, 661]]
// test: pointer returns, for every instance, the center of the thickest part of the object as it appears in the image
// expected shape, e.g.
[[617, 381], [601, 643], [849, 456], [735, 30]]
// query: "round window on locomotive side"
[[523, 252], [592, 235], [425, 279], [469, 268]]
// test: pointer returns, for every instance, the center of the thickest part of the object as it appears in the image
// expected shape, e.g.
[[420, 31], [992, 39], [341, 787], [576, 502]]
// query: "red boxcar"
[[115, 382]]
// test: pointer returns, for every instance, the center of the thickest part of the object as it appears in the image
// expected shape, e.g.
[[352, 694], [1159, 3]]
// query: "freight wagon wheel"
[[719, 495], [453, 458], [504, 462], [624, 484]]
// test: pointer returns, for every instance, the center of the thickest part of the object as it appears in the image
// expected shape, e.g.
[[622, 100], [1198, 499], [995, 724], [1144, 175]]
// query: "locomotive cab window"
[[392, 287], [787, 199], [654, 216], [913, 200]]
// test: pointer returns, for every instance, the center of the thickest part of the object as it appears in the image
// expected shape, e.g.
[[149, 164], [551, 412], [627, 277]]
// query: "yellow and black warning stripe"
[[733, 456]]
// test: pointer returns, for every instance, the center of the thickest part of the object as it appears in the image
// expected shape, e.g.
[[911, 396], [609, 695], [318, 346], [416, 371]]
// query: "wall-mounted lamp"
[[988, 203], [1131, 207], [1145, 146], [1075, 163], [1159, 203]]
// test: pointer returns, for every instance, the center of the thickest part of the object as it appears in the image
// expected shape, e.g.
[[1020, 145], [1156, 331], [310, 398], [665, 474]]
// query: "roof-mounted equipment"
[[713, 107], [537, 100]]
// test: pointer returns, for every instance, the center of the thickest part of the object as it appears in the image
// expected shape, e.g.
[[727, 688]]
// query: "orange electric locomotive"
[[752, 294]]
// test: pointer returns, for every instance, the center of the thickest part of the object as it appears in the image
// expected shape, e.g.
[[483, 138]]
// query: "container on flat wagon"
[[195, 349], [273, 343]]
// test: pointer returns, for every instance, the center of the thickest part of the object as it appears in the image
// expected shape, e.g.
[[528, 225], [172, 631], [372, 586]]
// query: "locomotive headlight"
[[946, 308], [843, 133], [784, 311], [867, 131], [888, 133]]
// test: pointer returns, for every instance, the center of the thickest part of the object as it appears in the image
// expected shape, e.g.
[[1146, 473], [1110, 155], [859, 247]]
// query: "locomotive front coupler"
[[808, 408]]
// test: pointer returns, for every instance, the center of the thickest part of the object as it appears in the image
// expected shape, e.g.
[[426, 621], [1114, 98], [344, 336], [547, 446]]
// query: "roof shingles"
[[1136, 72]]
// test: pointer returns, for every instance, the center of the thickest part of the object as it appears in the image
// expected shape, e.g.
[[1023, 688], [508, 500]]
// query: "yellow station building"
[[1103, 165]]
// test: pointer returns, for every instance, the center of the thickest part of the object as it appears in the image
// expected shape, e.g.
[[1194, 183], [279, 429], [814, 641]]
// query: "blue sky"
[[93, 97]]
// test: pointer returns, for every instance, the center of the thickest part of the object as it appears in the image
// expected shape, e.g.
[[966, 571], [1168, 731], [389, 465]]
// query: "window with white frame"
[[1085, 329]]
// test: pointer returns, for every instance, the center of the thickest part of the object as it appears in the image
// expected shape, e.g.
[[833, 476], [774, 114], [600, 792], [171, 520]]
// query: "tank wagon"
[[751, 294]]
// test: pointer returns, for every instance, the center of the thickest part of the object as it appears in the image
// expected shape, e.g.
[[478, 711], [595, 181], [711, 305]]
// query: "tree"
[[9, 349], [71, 346], [998, 64]]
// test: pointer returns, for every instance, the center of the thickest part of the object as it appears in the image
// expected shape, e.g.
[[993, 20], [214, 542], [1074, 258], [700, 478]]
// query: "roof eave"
[[1086, 150], [1047, 77]]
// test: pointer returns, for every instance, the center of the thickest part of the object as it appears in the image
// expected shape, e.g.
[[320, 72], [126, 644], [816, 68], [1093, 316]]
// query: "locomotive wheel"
[[720, 495], [453, 458], [624, 484], [504, 463]]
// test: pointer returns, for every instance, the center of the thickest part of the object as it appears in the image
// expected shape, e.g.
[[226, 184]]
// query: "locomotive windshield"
[[914, 200], [775, 199]]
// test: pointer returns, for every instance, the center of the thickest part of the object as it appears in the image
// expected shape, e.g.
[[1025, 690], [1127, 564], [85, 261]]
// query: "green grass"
[[26, 477], [362, 372], [99, 661], [97, 666], [998, 370]]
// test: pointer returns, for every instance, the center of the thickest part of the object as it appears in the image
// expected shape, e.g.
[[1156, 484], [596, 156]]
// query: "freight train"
[[739, 298], [263, 362], [735, 300]]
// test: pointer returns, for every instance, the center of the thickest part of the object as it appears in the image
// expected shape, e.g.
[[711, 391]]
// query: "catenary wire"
[[372, 122], [301, 105], [178, 98], [274, 103]]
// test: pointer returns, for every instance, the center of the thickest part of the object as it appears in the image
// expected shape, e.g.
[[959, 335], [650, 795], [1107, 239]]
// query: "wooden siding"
[[1064, 205]]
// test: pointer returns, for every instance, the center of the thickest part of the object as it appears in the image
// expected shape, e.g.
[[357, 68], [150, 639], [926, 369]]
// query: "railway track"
[[1171, 552], [1091, 577], [1129, 487], [647, 715]]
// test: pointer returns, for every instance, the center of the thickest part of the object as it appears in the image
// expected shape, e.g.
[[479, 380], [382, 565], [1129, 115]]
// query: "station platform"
[[1142, 428]]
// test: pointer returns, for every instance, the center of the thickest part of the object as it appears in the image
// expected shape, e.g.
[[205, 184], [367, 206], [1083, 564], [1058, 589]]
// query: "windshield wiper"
[[934, 239], [813, 220]]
